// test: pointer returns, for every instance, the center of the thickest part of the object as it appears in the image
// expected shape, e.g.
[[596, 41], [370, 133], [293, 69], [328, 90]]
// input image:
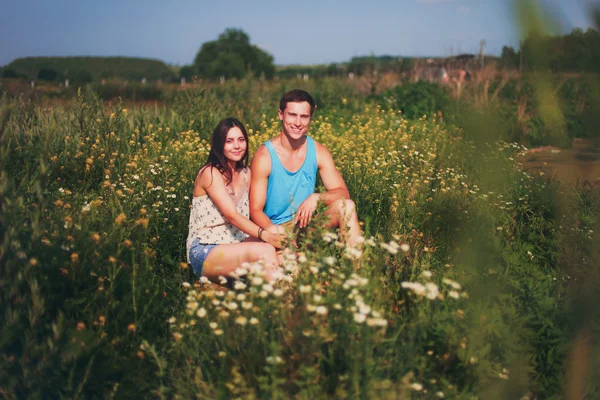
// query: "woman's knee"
[[264, 250]]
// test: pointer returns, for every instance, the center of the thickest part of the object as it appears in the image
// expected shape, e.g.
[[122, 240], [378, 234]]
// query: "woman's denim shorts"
[[198, 254]]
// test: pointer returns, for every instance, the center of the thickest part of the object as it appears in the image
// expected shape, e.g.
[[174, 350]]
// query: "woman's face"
[[235, 145]]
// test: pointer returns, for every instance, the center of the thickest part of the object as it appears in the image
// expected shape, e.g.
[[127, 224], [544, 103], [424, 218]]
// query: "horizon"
[[338, 32]]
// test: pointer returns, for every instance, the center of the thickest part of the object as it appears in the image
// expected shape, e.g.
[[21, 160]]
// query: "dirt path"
[[579, 165]]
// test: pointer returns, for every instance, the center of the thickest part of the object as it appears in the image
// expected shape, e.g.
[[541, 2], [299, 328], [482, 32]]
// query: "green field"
[[477, 280]]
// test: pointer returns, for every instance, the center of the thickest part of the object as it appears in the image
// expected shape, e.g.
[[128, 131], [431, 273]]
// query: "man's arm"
[[334, 185], [260, 170], [332, 179]]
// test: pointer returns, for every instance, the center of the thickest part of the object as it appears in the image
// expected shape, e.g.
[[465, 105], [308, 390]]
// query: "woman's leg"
[[224, 259]]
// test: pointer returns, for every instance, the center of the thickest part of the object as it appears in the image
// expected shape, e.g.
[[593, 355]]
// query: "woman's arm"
[[211, 181]]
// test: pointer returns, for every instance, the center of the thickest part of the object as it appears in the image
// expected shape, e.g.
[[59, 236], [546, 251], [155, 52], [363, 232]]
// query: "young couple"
[[277, 193]]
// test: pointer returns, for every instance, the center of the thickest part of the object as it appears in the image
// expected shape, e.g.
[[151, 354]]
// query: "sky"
[[294, 32]]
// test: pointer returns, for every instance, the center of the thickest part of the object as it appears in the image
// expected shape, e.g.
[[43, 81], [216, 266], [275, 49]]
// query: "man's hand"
[[306, 210]]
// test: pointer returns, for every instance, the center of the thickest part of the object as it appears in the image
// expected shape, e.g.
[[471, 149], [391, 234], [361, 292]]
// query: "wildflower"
[[440, 394], [246, 305], [131, 327], [330, 261], [257, 280], [417, 387], [201, 313], [222, 354], [321, 310], [253, 321], [172, 320], [74, 257], [454, 294], [177, 336], [120, 218], [241, 320], [95, 237], [186, 285], [80, 326], [391, 249], [218, 332], [452, 283], [33, 261], [305, 288], [404, 247], [377, 322], [328, 237], [359, 318], [353, 253], [213, 325], [364, 309], [415, 287], [426, 274], [143, 222], [274, 360], [432, 291]]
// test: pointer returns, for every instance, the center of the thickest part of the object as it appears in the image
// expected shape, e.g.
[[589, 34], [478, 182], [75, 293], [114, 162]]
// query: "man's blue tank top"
[[287, 190]]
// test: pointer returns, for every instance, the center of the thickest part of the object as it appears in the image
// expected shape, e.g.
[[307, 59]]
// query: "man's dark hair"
[[297, 96]]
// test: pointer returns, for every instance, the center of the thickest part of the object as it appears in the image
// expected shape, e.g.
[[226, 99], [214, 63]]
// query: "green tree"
[[509, 58], [47, 74], [233, 56], [80, 76], [8, 73]]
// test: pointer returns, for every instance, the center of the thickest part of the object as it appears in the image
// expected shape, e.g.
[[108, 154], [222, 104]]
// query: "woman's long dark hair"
[[216, 158]]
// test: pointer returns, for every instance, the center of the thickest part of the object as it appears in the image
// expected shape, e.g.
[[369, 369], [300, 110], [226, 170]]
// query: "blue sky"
[[300, 32]]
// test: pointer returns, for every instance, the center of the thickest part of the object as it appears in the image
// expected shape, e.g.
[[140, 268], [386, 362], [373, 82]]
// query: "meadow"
[[476, 279]]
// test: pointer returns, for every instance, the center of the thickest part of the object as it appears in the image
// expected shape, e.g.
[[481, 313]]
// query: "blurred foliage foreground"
[[475, 279]]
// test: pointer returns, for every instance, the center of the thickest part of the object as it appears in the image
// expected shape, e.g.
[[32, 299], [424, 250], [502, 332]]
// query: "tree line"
[[578, 51], [233, 56]]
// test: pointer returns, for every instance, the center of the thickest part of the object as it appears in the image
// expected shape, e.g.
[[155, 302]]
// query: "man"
[[284, 175]]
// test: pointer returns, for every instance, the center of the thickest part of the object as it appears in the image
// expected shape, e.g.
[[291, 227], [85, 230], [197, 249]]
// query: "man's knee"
[[344, 207]]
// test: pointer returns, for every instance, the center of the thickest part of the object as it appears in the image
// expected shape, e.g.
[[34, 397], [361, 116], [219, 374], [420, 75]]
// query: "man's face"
[[295, 119]]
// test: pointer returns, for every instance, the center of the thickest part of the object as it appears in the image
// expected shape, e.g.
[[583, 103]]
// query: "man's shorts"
[[198, 254], [293, 231]]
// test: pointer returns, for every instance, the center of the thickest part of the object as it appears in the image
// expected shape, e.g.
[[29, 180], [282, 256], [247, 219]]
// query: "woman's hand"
[[275, 239]]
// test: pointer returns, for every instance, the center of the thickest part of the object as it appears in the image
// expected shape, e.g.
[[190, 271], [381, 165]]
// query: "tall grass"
[[461, 288]]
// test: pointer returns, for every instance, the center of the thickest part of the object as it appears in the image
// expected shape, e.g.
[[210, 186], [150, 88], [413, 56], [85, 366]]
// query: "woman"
[[221, 237]]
